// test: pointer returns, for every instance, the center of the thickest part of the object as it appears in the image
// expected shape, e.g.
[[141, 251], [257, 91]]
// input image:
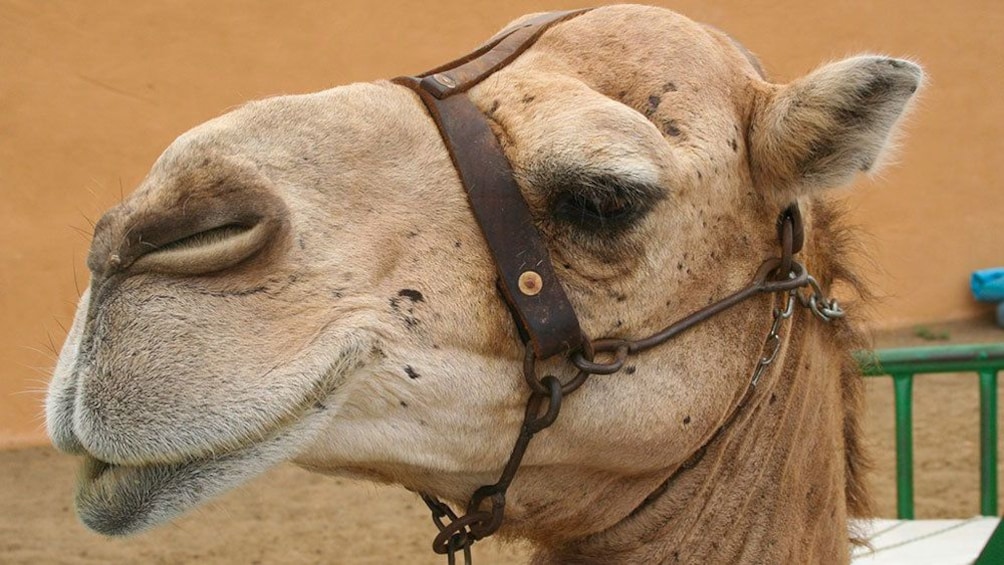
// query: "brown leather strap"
[[528, 281], [462, 74]]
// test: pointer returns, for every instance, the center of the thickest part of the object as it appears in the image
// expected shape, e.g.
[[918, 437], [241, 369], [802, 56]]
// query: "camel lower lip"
[[117, 500], [122, 499]]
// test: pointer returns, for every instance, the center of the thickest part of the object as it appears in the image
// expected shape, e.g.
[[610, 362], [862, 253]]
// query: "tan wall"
[[91, 92]]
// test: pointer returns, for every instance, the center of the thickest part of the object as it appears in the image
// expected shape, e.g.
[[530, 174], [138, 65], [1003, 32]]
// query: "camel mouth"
[[116, 500]]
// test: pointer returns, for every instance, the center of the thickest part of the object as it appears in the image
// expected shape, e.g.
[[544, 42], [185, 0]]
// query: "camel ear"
[[818, 131]]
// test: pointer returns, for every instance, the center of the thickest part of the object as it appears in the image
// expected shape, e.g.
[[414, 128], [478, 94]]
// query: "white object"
[[923, 542]]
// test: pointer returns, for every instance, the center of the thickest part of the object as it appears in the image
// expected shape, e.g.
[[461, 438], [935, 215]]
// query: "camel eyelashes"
[[591, 213], [603, 203]]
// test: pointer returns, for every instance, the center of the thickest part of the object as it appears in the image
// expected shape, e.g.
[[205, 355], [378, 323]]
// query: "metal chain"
[[782, 276], [459, 533], [826, 309], [772, 345]]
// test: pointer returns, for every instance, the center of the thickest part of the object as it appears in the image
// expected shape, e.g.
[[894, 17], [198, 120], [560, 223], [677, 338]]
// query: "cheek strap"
[[531, 289]]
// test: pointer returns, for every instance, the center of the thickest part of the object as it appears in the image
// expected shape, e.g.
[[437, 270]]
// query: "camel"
[[301, 279]]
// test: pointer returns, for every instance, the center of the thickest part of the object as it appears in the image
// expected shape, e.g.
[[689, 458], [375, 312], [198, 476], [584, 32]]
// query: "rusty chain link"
[[782, 276]]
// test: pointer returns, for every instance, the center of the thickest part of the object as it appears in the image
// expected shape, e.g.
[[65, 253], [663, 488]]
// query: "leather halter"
[[544, 316], [527, 279]]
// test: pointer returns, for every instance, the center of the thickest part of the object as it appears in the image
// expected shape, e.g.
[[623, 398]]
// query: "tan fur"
[[345, 315]]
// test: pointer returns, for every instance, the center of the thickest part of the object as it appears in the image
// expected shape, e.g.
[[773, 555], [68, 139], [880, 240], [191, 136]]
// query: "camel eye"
[[592, 212], [606, 204]]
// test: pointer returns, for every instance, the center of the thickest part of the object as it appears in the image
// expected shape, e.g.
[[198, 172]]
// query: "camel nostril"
[[204, 238], [207, 250]]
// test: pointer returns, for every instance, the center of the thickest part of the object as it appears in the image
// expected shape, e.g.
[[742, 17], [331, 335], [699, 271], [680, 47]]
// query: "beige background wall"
[[91, 92]]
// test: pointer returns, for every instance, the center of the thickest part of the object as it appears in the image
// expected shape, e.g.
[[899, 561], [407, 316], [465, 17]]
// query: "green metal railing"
[[902, 364]]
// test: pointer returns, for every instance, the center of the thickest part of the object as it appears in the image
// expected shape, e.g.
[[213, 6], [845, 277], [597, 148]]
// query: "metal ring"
[[481, 530], [575, 383], [459, 527], [590, 366], [530, 371], [554, 398]]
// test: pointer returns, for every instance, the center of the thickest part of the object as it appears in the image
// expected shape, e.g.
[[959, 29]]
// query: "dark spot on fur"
[[338, 292], [686, 420], [456, 244], [404, 404], [302, 244], [671, 127], [408, 315], [412, 373], [319, 405], [494, 107], [773, 398], [411, 294], [621, 297], [669, 87], [679, 266], [528, 98], [699, 175], [412, 234], [630, 370], [653, 105], [735, 145], [619, 323]]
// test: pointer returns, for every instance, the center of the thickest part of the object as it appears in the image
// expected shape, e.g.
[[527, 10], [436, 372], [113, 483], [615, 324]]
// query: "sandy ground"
[[291, 516]]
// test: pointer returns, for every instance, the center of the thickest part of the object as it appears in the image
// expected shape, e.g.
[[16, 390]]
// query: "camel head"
[[301, 279]]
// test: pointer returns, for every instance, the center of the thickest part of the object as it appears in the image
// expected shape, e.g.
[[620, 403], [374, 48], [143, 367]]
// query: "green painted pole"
[[986, 359], [988, 442], [903, 389], [993, 551]]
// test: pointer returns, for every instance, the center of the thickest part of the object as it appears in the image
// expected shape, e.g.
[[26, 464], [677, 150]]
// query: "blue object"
[[988, 285]]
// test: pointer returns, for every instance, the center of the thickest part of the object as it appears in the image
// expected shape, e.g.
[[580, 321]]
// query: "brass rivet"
[[530, 283], [444, 79]]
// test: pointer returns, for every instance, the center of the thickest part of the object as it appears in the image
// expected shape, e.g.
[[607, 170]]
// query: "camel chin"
[[119, 500]]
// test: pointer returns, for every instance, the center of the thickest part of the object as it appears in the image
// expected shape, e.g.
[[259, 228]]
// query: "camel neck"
[[769, 489]]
